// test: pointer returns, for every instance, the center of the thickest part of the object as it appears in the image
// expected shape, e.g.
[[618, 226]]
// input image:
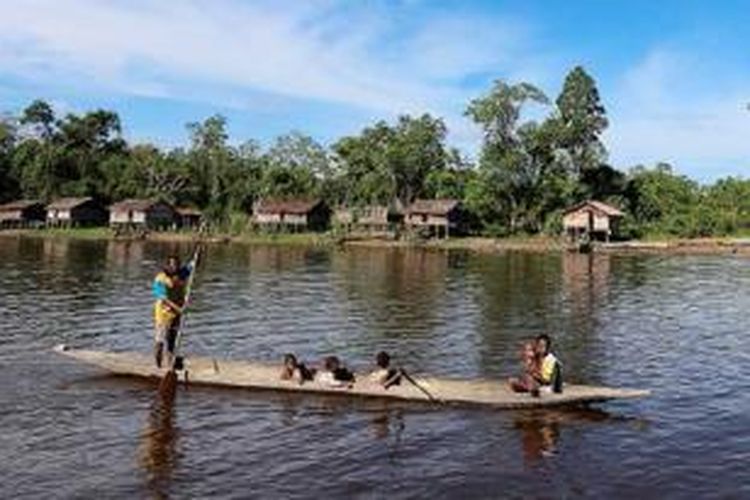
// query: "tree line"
[[527, 171]]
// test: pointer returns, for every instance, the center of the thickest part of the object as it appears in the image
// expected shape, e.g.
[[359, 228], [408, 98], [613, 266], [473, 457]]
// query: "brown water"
[[676, 325]]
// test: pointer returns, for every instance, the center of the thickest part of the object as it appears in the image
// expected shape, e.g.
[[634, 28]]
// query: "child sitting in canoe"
[[384, 375], [541, 368], [334, 374], [294, 370], [531, 369]]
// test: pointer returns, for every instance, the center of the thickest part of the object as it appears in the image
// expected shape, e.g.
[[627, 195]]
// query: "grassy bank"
[[104, 233], [739, 244]]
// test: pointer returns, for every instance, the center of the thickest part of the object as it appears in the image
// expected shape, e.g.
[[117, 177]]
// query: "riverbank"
[[537, 244]]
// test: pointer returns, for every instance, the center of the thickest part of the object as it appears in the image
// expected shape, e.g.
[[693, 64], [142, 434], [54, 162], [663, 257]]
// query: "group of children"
[[542, 369], [334, 374]]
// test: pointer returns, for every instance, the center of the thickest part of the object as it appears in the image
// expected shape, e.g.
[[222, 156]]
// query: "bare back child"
[[334, 374], [294, 370], [528, 382], [384, 374]]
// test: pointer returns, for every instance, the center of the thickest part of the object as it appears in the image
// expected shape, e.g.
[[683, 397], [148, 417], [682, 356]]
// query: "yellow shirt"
[[548, 367], [163, 286]]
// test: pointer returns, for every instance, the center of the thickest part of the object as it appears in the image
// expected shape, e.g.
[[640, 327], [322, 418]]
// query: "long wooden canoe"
[[252, 375]]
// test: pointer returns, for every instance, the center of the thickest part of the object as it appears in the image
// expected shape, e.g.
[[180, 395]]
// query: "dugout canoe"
[[253, 375]]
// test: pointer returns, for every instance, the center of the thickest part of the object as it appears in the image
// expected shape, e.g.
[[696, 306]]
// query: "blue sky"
[[674, 75]]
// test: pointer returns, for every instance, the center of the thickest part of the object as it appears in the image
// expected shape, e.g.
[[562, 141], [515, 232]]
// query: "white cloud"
[[377, 58], [311, 50], [677, 108]]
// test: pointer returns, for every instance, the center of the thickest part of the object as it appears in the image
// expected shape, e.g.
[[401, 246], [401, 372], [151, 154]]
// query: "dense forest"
[[526, 173]]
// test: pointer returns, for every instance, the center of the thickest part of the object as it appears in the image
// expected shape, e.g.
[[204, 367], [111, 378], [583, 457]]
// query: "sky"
[[673, 75]]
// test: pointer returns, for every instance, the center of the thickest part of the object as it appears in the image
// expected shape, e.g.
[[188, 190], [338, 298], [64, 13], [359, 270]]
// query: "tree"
[[147, 172], [40, 116], [209, 161], [296, 150], [729, 200], [362, 162], [82, 145], [296, 166], [34, 160], [516, 161], [8, 135], [661, 201], [390, 163], [582, 119]]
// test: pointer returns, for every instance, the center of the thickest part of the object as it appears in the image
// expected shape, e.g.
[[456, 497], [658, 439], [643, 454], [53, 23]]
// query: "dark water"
[[676, 325]]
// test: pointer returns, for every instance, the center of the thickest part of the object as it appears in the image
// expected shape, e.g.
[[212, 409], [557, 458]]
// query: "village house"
[[70, 212], [370, 218], [591, 219], [343, 217], [189, 218], [22, 213], [141, 215], [440, 218], [291, 215]]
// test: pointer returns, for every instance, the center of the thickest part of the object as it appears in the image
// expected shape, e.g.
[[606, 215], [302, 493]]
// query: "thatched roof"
[[188, 212], [67, 203], [433, 207], [137, 205], [598, 206], [294, 207], [19, 205]]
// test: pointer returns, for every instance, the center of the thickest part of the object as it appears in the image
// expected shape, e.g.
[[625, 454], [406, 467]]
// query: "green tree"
[[582, 120], [662, 202], [520, 178], [9, 188], [729, 200], [296, 166], [389, 163], [34, 160], [210, 160], [82, 145], [40, 117]]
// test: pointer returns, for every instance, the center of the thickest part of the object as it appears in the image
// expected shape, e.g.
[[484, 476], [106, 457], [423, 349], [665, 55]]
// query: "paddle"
[[419, 386], [170, 378]]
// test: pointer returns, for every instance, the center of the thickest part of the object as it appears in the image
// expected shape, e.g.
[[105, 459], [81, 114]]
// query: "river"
[[674, 324]]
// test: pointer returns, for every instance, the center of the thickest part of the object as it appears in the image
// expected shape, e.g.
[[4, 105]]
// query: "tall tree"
[[515, 160], [35, 159], [296, 166], [210, 159], [40, 116], [582, 120], [296, 150], [83, 145], [389, 163]]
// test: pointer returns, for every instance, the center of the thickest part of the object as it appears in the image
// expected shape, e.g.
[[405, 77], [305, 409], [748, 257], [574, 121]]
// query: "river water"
[[675, 325]]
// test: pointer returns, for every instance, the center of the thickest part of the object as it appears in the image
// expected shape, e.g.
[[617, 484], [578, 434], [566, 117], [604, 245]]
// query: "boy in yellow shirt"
[[168, 290]]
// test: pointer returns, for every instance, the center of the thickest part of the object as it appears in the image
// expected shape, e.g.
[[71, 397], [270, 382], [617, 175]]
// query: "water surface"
[[676, 325]]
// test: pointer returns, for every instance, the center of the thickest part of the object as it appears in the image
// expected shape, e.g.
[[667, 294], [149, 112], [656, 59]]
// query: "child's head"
[[290, 360], [528, 350], [172, 265], [383, 360], [331, 363], [543, 344]]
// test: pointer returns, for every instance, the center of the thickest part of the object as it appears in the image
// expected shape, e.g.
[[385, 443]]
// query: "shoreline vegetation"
[[483, 245], [526, 172]]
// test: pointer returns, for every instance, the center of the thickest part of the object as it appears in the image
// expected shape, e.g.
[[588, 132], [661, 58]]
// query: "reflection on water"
[[674, 325], [157, 454], [540, 430], [538, 438]]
